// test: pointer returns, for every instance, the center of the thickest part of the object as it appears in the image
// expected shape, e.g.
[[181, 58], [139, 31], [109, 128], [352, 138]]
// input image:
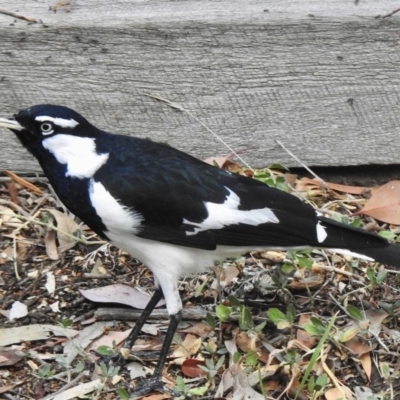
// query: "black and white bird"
[[173, 212]]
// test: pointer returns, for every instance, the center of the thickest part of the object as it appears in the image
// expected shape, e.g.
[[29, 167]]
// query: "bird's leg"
[[154, 383], [118, 358]]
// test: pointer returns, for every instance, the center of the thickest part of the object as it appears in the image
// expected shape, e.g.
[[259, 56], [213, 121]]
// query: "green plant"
[[45, 371], [281, 320]]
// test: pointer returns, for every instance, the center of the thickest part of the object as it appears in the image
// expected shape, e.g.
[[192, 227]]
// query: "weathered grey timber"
[[323, 77]]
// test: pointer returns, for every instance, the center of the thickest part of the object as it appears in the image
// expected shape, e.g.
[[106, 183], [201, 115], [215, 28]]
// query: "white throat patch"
[[79, 154]]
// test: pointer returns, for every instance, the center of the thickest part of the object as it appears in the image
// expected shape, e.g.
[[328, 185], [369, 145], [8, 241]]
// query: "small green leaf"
[[251, 359], [305, 262], [212, 323], [180, 383], [199, 391], [287, 268], [389, 235], [276, 315], [291, 356], [355, 312], [123, 394], [258, 328], [236, 357], [103, 368], [382, 274], [199, 290], [220, 362], [371, 275], [322, 381], [385, 369], [311, 384], [356, 223], [235, 302], [291, 313], [79, 367], [315, 327], [246, 319], [223, 312], [65, 323], [348, 334], [278, 167], [104, 350]]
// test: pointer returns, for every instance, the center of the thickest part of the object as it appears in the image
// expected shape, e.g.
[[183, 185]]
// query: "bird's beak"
[[10, 124]]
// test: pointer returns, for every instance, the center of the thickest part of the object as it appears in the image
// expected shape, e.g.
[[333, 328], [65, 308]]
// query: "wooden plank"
[[322, 77]]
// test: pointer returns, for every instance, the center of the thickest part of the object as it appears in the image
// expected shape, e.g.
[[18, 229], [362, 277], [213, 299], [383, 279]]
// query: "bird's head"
[[43, 121], [58, 133]]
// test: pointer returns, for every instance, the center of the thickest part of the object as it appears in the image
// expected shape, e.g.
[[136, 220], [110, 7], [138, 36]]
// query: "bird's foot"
[[151, 385]]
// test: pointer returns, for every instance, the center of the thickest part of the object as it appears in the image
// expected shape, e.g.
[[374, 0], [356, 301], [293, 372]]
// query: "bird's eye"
[[46, 128]]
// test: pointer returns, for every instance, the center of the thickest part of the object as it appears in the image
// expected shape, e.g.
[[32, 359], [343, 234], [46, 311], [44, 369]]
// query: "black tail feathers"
[[340, 236]]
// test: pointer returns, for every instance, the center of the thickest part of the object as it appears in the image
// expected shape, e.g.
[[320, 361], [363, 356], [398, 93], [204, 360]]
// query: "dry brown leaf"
[[199, 329], [189, 347], [51, 245], [358, 346], [384, 204], [290, 179], [234, 378], [9, 356], [247, 344], [5, 389], [108, 339], [121, 294], [13, 191], [227, 275], [305, 184], [336, 393], [225, 161], [304, 337], [190, 368], [366, 362], [274, 256], [6, 254], [23, 182], [8, 215], [67, 225]]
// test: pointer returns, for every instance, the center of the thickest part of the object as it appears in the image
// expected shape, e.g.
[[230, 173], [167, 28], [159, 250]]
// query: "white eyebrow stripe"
[[63, 123]]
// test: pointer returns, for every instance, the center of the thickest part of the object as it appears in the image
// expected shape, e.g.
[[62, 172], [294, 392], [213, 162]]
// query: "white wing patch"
[[61, 122], [117, 218], [321, 232], [79, 154], [228, 213]]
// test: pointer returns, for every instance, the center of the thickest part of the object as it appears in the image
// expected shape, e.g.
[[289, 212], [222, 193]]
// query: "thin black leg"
[[133, 335], [118, 359], [155, 382]]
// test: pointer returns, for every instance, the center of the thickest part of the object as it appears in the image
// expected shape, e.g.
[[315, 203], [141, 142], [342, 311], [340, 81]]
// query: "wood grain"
[[322, 77]]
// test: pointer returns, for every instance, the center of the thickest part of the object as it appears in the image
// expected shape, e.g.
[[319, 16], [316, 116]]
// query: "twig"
[[180, 108], [19, 16], [23, 182], [47, 225], [391, 13], [68, 385], [15, 207], [300, 162]]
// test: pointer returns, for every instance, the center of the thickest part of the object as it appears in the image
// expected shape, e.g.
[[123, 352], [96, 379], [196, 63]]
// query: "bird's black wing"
[[186, 202]]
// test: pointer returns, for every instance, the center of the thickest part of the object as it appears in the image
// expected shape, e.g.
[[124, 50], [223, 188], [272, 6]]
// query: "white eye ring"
[[46, 128]]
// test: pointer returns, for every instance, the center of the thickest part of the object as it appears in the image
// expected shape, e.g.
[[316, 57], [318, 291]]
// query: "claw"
[[153, 384]]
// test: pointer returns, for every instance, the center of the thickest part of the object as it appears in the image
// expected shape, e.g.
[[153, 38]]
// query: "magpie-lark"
[[173, 212]]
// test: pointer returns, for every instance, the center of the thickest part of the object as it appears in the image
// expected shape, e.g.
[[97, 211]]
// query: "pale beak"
[[10, 124]]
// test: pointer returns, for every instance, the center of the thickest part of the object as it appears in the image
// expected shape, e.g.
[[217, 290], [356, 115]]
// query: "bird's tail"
[[359, 242]]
